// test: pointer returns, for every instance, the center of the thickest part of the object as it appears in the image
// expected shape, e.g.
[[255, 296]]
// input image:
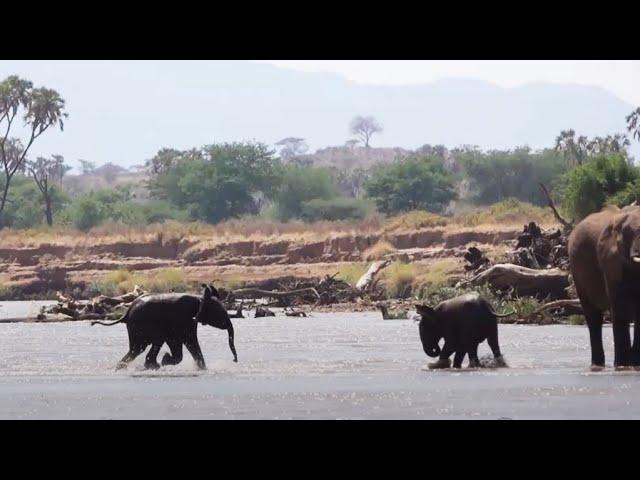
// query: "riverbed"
[[326, 366]]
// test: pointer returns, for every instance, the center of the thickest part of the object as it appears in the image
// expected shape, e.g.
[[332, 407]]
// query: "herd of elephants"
[[604, 252]]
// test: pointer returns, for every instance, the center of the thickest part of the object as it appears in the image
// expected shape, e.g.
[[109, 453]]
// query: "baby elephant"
[[464, 322], [172, 318]]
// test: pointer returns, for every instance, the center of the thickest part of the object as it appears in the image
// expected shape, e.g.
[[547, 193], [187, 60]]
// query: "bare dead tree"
[[563, 222]]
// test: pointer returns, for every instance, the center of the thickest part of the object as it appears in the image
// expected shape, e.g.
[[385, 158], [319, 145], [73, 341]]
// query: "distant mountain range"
[[123, 112]]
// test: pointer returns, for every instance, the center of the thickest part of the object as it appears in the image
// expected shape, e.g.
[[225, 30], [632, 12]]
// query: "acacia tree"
[[364, 128], [351, 143], [46, 172], [41, 107], [292, 147]]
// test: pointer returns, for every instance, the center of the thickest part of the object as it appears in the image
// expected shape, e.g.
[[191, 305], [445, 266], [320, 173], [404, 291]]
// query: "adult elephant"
[[604, 254]]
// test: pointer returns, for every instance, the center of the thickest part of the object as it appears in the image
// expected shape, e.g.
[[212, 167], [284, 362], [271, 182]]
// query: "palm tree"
[[43, 107], [573, 150], [633, 123]]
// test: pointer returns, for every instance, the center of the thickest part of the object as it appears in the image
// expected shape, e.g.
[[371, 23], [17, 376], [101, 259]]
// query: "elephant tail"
[[122, 319]]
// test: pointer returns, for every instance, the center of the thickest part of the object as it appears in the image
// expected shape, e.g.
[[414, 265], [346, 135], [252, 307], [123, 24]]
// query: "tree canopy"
[[412, 184]]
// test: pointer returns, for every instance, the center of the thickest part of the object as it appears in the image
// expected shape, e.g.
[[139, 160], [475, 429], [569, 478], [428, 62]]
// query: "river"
[[327, 366]]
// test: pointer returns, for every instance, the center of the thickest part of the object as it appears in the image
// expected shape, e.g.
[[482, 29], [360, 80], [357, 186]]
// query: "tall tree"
[[41, 107], [633, 124], [578, 150], [46, 172], [610, 144], [365, 128], [575, 151]]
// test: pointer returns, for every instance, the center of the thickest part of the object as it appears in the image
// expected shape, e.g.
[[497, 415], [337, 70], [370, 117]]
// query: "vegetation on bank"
[[511, 214]]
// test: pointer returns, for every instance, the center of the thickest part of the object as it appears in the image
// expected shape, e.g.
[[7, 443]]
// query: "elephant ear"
[[214, 291], [617, 226], [206, 294], [426, 311]]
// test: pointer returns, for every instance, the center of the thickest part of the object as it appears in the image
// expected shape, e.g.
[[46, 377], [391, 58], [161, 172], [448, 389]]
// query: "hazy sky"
[[125, 111], [621, 77]]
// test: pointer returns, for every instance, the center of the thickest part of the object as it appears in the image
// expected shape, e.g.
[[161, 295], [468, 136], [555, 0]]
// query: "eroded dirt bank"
[[46, 267]]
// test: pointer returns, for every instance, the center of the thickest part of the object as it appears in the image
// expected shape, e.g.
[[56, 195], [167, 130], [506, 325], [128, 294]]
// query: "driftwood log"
[[366, 281], [524, 281], [258, 293], [571, 307], [98, 308]]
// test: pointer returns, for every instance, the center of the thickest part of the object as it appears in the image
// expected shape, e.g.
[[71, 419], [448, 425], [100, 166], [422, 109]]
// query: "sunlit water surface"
[[327, 366]]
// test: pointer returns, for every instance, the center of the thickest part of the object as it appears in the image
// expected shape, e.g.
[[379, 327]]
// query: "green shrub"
[[411, 184], [605, 179], [300, 185], [340, 208]]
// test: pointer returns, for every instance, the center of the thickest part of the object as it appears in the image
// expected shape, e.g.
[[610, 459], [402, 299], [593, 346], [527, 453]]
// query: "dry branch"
[[365, 282], [565, 224], [258, 293]]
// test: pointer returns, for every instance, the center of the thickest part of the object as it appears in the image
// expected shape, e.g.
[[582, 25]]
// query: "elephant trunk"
[[231, 344], [429, 342]]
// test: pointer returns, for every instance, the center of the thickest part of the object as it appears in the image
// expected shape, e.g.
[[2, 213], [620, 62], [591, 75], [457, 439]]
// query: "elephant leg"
[[134, 351], [492, 340], [176, 354], [152, 357], [194, 349], [458, 358], [621, 334], [474, 362], [443, 359], [594, 322], [635, 349]]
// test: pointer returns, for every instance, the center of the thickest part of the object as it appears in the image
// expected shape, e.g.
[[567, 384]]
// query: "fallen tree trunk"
[[366, 281], [524, 281], [258, 293], [573, 305]]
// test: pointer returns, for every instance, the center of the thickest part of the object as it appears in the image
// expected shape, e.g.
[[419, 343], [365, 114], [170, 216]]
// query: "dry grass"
[[121, 281], [509, 213], [397, 278], [415, 220], [351, 273], [379, 250], [438, 274]]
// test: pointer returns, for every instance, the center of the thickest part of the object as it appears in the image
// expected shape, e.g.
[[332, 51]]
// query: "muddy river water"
[[327, 366]]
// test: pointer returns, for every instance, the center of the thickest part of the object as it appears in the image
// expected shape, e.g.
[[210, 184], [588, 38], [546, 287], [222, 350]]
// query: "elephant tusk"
[[636, 259]]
